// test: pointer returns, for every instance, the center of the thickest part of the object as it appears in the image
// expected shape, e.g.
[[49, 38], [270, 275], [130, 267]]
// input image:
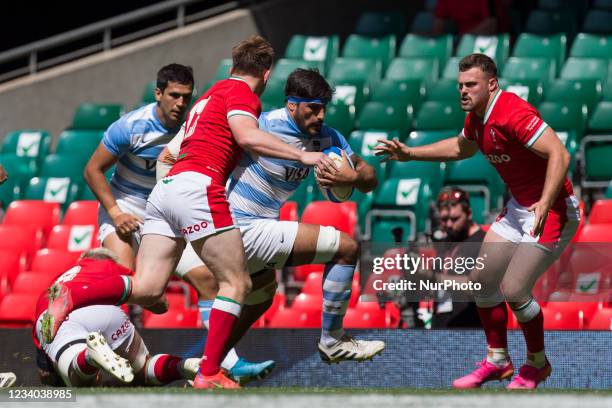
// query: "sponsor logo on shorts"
[[194, 228], [166, 181], [498, 158], [121, 330]]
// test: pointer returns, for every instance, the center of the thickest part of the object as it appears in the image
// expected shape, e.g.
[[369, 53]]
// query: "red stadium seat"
[[32, 282], [296, 319], [53, 262], [19, 239], [173, 319], [602, 320], [310, 302], [289, 211], [300, 273], [279, 302], [596, 233], [563, 316], [73, 238], [342, 216], [365, 319], [11, 264], [82, 213], [34, 213], [601, 212], [17, 309]]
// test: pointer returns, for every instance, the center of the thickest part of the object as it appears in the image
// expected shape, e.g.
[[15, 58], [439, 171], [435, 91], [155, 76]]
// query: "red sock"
[[163, 369], [82, 364], [494, 322], [223, 317], [533, 330], [114, 290]]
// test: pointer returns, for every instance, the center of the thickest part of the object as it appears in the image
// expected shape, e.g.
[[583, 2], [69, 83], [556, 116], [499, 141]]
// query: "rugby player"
[[190, 204], [533, 228], [133, 143], [258, 188], [101, 337]]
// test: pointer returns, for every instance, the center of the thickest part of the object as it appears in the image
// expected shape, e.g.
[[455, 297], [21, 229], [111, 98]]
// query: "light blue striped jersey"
[[136, 139], [259, 186]]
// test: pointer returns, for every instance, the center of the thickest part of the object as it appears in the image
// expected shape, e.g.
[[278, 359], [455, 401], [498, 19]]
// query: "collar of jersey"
[[238, 79], [490, 107]]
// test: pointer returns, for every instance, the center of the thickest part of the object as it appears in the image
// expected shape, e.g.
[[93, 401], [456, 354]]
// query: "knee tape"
[[261, 295], [327, 245]]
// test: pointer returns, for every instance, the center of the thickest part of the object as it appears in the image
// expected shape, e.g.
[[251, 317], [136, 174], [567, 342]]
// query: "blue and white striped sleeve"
[[117, 138]]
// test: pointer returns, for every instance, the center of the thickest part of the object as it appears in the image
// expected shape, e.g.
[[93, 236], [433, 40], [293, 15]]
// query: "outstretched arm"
[[451, 149]]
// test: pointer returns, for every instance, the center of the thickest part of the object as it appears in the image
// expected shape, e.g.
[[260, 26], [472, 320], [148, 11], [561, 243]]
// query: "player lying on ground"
[[533, 228], [133, 143], [192, 206], [101, 337], [258, 188]]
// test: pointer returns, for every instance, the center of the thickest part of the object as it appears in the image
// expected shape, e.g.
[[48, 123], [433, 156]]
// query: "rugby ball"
[[337, 194]]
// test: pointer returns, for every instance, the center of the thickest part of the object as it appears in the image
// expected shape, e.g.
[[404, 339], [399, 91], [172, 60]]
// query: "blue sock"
[[205, 307], [337, 282]]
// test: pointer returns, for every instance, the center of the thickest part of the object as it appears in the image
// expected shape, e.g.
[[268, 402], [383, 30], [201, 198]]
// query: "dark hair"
[[253, 56], [309, 84], [485, 63], [174, 73]]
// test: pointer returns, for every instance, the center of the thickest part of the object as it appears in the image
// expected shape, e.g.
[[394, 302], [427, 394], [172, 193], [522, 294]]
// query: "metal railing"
[[30, 53]]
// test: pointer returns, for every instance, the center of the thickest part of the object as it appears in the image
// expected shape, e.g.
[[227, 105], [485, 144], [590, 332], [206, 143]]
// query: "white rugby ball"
[[337, 194]]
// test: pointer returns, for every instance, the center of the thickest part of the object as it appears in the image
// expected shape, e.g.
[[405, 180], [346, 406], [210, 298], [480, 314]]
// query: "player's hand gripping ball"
[[338, 194]]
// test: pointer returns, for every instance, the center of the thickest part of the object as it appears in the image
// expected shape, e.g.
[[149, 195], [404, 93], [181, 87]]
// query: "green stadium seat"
[[551, 22], [585, 68], [340, 117], [425, 137], [96, 115], [284, 67], [64, 165], [530, 90], [496, 47], [223, 69], [33, 144], [381, 23], [311, 48], [601, 119], [596, 151], [274, 94], [451, 69], [416, 46], [79, 142], [402, 203], [480, 179], [591, 46], [364, 204], [9, 191], [443, 90], [402, 93], [570, 141], [430, 172], [385, 116], [587, 91], [376, 48], [541, 69], [542, 46], [608, 193], [565, 116], [369, 72], [351, 93], [19, 168], [363, 141], [578, 7], [57, 189], [422, 23], [598, 22], [86, 194], [435, 115], [148, 94], [424, 69]]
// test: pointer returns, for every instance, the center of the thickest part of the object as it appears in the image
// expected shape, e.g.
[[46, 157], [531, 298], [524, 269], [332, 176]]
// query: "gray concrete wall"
[[48, 100]]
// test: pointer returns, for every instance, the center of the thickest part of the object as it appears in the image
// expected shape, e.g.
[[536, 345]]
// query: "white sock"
[[497, 356]]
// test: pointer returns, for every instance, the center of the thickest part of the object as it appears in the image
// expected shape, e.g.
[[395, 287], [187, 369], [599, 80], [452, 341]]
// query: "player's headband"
[[296, 99]]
